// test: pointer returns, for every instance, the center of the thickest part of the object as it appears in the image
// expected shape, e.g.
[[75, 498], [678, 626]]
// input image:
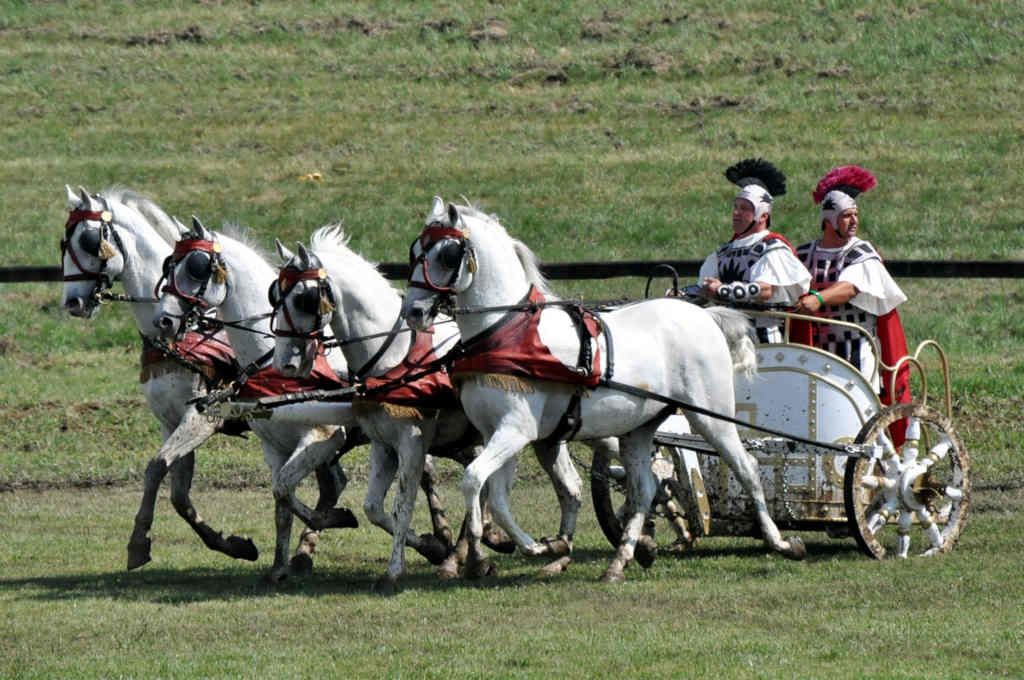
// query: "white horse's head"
[[195, 281], [303, 299], [442, 265], [92, 254]]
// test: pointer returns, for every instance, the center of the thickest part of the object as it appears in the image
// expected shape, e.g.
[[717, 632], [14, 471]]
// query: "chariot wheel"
[[679, 514], [912, 499]]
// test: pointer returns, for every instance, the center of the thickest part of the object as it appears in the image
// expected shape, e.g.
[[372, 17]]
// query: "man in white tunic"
[[757, 265], [850, 281]]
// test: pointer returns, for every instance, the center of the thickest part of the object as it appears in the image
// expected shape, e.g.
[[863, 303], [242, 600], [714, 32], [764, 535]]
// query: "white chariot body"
[[891, 501]]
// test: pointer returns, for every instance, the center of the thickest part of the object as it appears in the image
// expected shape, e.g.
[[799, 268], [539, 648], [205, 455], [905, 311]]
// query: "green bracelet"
[[817, 295]]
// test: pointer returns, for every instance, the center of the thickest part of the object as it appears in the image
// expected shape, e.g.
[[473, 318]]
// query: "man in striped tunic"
[[850, 283]]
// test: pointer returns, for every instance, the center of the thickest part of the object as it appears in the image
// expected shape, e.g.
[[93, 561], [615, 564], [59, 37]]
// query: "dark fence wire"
[[919, 269]]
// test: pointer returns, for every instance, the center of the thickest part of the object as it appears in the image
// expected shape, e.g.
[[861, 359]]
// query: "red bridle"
[[431, 235], [286, 280], [75, 218], [183, 249]]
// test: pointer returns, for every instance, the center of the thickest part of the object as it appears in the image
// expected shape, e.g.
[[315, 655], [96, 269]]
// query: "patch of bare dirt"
[[443, 25], [596, 29], [699, 104], [840, 71], [643, 58], [491, 31], [193, 34]]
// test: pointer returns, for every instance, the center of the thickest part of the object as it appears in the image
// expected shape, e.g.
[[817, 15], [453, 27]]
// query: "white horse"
[[226, 273], [331, 284], [118, 235], [665, 346]]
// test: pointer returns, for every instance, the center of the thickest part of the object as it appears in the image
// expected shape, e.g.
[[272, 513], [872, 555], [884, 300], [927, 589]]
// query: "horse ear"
[[73, 199], [436, 211], [453, 215], [88, 203], [199, 229], [282, 252], [103, 201], [303, 256]]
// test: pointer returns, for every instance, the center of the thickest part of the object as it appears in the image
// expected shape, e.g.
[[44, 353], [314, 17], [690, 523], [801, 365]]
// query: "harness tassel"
[[107, 250]]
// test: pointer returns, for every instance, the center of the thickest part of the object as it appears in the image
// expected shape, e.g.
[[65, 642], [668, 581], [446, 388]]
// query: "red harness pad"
[[267, 382], [516, 349], [211, 355], [433, 390]]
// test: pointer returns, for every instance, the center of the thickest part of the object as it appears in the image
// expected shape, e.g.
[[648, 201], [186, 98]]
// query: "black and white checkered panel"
[[825, 267], [734, 264]]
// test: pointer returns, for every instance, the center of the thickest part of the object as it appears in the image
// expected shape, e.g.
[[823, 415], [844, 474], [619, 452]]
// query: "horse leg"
[[450, 567], [281, 569], [726, 440], [307, 456], [181, 483], [501, 448], [494, 537], [635, 454], [192, 431], [428, 482], [331, 480], [568, 487], [382, 471], [411, 459]]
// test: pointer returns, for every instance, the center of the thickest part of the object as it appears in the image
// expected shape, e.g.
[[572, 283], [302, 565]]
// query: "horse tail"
[[738, 333]]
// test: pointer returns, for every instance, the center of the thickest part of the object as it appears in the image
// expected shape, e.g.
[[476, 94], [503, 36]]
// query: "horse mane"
[[332, 239], [158, 220], [527, 258], [241, 234]]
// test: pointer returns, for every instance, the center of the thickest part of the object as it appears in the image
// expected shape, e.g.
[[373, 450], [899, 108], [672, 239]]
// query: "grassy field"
[[596, 132]]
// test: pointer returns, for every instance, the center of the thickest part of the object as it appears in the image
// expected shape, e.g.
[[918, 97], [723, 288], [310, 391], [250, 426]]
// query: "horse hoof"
[[302, 564], [341, 518], [646, 552], [499, 542], [433, 549], [557, 547], [386, 586], [559, 566], [612, 575], [278, 575], [480, 570], [797, 550], [242, 548], [448, 571], [138, 553]]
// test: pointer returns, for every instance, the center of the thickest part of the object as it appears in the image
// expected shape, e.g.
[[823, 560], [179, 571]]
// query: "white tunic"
[[766, 258], [752, 258], [859, 264]]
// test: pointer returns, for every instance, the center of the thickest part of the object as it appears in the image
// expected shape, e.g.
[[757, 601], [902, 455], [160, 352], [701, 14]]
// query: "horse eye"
[[90, 241], [451, 254], [274, 294], [198, 266], [308, 300]]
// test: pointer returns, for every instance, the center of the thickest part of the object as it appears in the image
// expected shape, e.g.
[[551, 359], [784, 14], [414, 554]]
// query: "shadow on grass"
[[202, 584]]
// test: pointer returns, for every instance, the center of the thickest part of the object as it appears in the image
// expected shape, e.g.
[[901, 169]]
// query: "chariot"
[[892, 500]]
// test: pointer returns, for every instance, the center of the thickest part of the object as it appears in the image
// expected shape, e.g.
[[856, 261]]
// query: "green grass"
[[596, 133], [727, 610]]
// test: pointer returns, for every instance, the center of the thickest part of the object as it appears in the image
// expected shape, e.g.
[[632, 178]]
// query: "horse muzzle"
[[295, 360], [82, 308], [171, 327]]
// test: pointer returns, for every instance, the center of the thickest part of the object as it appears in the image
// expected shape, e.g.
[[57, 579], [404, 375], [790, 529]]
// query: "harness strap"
[[392, 334], [570, 423]]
